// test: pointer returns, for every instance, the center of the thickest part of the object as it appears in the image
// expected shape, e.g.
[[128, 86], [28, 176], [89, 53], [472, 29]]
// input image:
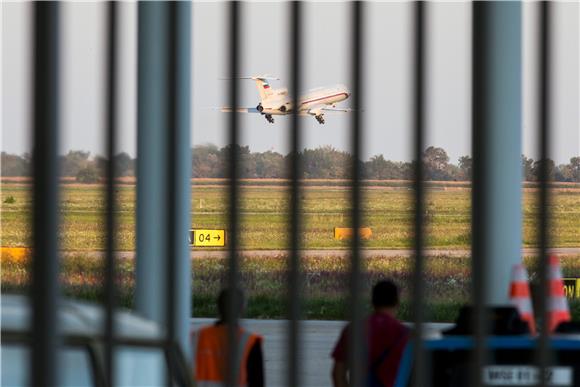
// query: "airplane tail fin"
[[262, 84]]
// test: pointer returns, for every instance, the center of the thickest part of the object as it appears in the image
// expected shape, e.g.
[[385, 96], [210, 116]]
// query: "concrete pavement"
[[318, 339]]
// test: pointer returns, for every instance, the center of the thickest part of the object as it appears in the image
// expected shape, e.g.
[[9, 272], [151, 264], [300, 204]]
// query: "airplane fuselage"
[[281, 104]]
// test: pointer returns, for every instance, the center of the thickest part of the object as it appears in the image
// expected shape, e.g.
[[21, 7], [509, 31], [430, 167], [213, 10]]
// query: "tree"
[[269, 165], [465, 165], [527, 168], [14, 165], [436, 162], [88, 175], [575, 168], [379, 168], [536, 169], [207, 161], [124, 164], [73, 162], [326, 163]]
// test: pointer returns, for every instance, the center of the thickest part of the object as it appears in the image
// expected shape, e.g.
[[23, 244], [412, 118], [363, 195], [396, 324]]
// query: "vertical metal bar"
[[151, 160], [171, 204], [233, 270], [111, 104], [419, 193], [182, 274], [543, 355], [478, 202], [497, 122], [44, 274], [357, 353], [295, 275]]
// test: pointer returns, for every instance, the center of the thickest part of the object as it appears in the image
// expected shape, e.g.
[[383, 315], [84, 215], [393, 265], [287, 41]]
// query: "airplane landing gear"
[[320, 119], [269, 118]]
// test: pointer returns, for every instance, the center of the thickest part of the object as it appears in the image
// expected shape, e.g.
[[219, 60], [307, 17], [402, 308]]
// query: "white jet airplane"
[[277, 102]]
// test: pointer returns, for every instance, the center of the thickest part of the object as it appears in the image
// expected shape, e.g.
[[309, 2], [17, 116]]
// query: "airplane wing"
[[239, 110], [337, 110], [323, 109]]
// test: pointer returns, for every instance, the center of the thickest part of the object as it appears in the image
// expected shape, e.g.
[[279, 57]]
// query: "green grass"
[[264, 216], [324, 292]]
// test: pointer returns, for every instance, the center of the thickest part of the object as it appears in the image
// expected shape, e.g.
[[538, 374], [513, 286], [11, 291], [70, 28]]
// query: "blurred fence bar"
[[182, 160], [44, 275], [419, 193], [478, 203], [178, 280], [152, 114], [171, 181], [356, 360], [233, 174], [163, 284], [110, 139], [543, 355], [497, 122], [294, 274]]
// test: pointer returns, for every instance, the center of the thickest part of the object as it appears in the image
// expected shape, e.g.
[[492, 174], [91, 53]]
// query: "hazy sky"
[[386, 117]]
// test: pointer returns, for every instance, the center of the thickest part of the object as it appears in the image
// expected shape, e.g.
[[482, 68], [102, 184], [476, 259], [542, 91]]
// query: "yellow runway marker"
[[344, 233], [207, 238], [572, 287]]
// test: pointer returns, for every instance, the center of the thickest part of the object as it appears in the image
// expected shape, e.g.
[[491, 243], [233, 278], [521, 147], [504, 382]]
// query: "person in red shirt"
[[386, 338]]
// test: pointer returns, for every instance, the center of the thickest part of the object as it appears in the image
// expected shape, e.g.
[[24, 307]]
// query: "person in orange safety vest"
[[211, 354]]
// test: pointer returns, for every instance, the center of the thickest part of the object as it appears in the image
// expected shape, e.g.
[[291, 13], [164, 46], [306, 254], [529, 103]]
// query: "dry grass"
[[265, 221], [325, 287]]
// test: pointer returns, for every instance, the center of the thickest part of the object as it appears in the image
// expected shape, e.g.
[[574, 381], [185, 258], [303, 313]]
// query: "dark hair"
[[223, 303], [385, 294]]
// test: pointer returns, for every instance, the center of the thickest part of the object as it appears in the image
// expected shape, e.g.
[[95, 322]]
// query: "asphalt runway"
[[365, 253], [318, 340]]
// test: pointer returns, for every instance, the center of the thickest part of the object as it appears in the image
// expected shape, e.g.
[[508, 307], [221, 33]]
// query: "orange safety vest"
[[211, 355]]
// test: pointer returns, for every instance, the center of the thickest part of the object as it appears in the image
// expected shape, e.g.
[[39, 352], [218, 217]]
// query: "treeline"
[[326, 162]]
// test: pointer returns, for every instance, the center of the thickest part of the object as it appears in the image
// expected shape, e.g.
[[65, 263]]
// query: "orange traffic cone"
[[558, 310], [520, 295]]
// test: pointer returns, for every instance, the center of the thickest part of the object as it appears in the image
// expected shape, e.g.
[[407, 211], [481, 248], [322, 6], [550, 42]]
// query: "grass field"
[[325, 285], [387, 210]]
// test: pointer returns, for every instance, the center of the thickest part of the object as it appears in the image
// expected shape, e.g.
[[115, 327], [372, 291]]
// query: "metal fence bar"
[[151, 161], [44, 274], [233, 269], [357, 357], [171, 163], [419, 195], [496, 147], [295, 275], [478, 202], [543, 355], [182, 273], [109, 270]]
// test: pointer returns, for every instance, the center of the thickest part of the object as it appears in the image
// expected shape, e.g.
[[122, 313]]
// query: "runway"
[[318, 340], [341, 253]]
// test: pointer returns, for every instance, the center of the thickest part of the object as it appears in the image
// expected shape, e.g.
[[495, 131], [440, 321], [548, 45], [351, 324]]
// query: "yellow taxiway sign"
[[207, 237]]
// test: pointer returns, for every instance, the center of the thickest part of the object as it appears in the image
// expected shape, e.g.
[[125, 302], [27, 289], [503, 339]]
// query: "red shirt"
[[383, 331]]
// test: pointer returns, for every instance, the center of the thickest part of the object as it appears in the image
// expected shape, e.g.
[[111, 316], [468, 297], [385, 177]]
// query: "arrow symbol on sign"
[[217, 237]]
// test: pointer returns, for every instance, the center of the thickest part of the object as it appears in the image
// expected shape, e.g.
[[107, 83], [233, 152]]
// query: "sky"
[[386, 76]]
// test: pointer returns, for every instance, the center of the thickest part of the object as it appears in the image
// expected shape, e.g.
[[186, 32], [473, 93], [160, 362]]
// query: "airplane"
[[277, 102]]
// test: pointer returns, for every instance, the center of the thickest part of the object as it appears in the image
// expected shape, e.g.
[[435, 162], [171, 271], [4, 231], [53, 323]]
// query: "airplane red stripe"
[[325, 97]]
